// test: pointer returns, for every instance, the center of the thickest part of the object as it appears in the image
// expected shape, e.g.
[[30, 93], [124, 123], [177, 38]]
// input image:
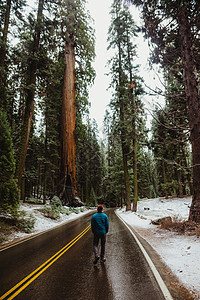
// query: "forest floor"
[[178, 247]]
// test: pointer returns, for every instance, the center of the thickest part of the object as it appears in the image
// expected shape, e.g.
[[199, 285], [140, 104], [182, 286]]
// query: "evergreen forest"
[[50, 146]]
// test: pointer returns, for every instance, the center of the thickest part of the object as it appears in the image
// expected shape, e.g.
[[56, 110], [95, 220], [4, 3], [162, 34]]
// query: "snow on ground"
[[43, 223], [180, 252]]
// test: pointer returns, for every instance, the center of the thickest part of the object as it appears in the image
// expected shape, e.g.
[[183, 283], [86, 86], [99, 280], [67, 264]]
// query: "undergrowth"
[[55, 209], [17, 221], [181, 226]]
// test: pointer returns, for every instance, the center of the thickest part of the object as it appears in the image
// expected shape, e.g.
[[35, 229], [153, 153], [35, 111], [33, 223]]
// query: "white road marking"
[[158, 278]]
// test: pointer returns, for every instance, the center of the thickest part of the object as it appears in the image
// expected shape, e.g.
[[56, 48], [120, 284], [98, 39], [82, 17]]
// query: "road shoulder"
[[175, 287]]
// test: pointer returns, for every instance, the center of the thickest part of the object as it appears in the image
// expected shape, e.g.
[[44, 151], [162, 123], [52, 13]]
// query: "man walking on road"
[[100, 226]]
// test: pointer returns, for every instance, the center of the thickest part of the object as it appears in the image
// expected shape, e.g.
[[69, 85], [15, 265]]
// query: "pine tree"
[[9, 195], [30, 95], [173, 27], [127, 88]]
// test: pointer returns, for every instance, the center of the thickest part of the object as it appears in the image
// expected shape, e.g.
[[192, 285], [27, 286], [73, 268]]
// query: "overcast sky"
[[99, 95]]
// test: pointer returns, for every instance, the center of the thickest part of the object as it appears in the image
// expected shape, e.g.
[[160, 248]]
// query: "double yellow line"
[[19, 287]]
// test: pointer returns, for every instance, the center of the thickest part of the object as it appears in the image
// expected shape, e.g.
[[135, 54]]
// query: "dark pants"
[[96, 243]]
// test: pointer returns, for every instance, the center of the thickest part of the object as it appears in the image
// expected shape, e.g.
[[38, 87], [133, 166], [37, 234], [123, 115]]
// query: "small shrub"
[[197, 230], [2, 238], [26, 224], [178, 225], [51, 212], [65, 210], [56, 202], [74, 210], [34, 201], [21, 221], [6, 228]]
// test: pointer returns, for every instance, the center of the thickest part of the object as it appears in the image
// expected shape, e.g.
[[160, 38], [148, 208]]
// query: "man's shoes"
[[103, 260], [96, 260]]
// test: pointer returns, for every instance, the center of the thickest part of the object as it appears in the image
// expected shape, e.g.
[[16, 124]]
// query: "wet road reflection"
[[125, 275]]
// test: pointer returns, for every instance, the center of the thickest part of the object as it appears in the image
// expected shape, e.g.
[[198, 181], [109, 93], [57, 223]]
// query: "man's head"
[[100, 208]]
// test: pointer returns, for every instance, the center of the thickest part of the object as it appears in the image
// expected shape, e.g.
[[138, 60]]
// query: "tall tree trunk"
[[135, 183], [164, 179], [180, 187], [125, 148], [133, 109], [109, 165], [193, 99], [45, 163], [30, 92], [68, 166], [188, 176], [3, 80]]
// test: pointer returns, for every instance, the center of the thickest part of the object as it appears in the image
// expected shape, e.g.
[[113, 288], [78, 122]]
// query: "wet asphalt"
[[125, 274]]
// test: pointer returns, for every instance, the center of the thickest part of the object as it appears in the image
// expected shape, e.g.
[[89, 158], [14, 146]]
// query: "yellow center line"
[[43, 267]]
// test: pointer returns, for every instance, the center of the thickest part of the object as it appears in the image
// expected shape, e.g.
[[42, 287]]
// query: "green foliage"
[[56, 209], [92, 198], [147, 175], [127, 124], [89, 160], [22, 221], [26, 224], [34, 201], [56, 202], [9, 195], [171, 152], [51, 212], [74, 210], [15, 221], [65, 210]]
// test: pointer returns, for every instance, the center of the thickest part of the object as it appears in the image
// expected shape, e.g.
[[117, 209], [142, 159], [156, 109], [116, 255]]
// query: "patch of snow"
[[43, 223], [180, 252]]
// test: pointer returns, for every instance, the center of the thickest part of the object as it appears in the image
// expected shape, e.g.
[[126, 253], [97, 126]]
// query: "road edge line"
[[155, 272]]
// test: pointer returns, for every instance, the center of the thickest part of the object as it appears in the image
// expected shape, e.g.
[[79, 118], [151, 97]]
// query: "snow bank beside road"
[[179, 252], [43, 223]]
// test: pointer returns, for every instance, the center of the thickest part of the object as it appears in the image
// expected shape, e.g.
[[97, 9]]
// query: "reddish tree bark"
[[68, 165]]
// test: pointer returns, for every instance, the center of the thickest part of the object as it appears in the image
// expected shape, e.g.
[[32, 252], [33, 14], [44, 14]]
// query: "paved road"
[[125, 275]]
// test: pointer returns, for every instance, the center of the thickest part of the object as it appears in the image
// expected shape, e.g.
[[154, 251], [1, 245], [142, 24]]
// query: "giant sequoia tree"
[[173, 27], [78, 54], [47, 70]]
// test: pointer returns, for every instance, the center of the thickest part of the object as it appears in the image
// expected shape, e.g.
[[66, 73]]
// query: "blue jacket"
[[99, 223]]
